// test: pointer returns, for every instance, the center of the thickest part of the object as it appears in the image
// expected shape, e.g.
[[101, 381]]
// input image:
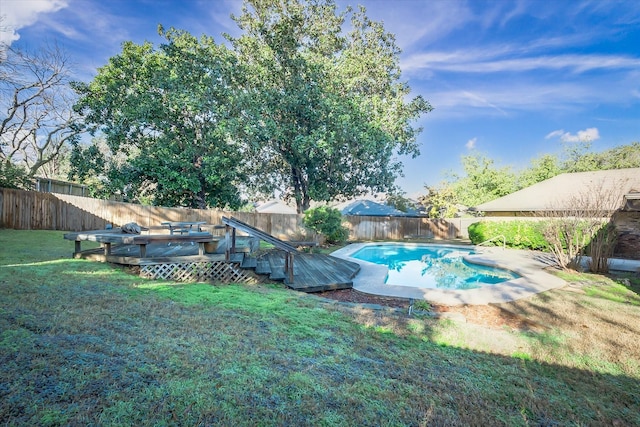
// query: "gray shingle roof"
[[370, 208], [557, 193]]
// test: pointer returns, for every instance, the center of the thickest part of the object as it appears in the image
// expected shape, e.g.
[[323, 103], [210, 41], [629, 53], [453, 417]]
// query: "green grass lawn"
[[85, 343]]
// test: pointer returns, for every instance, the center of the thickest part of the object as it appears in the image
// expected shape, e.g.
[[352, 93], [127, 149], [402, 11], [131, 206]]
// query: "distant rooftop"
[[275, 206], [365, 207], [557, 193]]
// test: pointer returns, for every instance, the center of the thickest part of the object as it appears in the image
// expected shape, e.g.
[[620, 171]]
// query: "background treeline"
[[483, 180]]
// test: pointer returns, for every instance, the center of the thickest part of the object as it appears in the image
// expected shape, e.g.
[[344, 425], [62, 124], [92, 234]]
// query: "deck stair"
[[232, 224], [313, 272], [249, 262], [262, 266]]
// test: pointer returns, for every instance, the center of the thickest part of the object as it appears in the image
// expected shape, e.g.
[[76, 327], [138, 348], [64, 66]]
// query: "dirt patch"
[[485, 315]]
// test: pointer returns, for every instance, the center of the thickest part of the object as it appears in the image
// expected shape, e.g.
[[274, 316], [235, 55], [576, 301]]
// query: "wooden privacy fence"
[[396, 228], [33, 210]]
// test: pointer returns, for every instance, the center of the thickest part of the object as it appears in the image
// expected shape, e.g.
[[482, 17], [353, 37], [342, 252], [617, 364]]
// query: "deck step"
[[262, 266], [276, 265], [249, 262], [278, 276], [320, 287], [237, 257], [312, 272]]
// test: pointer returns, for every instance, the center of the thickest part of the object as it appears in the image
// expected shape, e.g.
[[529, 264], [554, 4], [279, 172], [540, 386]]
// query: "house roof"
[[275, 206], [369, 208], [559, 192]]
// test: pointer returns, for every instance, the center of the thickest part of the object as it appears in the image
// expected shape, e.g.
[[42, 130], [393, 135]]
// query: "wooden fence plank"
[[28, 210]]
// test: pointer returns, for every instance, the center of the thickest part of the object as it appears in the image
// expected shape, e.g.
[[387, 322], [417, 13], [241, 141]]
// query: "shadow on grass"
[[88, 349]]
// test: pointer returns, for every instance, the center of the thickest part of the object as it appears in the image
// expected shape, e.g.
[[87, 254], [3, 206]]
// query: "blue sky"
[[510, 79]]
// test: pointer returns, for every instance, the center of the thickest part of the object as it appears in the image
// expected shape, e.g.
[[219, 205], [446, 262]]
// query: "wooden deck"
[[125, 250], [155, 253], [312, 273]]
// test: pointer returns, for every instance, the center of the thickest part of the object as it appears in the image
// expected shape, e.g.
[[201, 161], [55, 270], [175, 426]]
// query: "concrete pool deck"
[[533, 278]]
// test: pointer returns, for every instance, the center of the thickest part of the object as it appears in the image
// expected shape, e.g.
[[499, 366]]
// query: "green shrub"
[[518, 234], [14, 176], [328, 222]]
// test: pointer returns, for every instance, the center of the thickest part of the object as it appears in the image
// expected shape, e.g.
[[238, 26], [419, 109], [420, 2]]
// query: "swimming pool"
[[431, 266]]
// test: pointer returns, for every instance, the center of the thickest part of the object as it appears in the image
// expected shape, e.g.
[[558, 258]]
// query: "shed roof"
[[557, 193]]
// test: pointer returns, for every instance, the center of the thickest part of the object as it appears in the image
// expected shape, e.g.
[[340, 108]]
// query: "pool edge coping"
[[533, 278]]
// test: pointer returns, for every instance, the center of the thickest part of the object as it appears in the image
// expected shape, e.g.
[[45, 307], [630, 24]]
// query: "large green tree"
[[579, 157], [483, 180], [167, 118], [324, 113], [542, 168]]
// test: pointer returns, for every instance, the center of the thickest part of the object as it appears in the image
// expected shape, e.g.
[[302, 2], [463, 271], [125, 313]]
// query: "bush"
[[518, 234], [581, 227], [601, 247], [14, 176], [328, 222], [571, 238]]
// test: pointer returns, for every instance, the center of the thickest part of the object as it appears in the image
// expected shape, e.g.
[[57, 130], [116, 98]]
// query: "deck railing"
[[236, 224]]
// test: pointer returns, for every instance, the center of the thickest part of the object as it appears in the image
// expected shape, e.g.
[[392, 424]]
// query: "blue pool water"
[[431, 266]]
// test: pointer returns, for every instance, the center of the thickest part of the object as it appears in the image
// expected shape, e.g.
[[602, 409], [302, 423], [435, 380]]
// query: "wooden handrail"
[[236, 224], [252, 231]]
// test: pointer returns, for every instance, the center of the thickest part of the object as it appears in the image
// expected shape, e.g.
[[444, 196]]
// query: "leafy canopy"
[[167, 122], [296, 107], [324, 113]]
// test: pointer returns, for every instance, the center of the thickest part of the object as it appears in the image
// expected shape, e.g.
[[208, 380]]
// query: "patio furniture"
[[184, 227]]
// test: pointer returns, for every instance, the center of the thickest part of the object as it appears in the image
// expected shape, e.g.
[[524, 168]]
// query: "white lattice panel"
[[215, 271]]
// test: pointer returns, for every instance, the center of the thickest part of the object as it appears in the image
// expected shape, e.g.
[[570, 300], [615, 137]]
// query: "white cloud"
[[489, 62], [497, 99], [555, 134], [419, 24], [505, 97], [590, 134], [17, 14], [471, 144]]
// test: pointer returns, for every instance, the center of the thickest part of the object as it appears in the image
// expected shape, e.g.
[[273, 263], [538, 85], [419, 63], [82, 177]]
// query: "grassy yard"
[[84, 343]]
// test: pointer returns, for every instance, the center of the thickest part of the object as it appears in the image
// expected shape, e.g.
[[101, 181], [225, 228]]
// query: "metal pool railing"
[[504, 241]]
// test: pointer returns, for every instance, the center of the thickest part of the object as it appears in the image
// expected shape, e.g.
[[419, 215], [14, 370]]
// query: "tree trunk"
[[300, 192]]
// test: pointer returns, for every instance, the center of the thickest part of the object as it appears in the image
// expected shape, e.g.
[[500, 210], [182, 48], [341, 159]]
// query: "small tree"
[[328, 222], [601, 248], [583, 228], [440, 201], [13, 176]]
